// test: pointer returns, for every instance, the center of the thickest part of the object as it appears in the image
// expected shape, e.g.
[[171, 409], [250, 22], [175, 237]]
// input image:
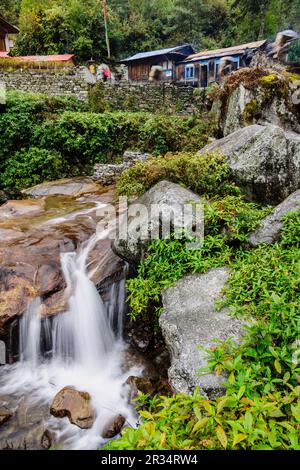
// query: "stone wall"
[[70, 82], [164, 97], [124, 96]]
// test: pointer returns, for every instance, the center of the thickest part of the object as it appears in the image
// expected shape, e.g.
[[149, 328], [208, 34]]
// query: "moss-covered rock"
[[258, 96]]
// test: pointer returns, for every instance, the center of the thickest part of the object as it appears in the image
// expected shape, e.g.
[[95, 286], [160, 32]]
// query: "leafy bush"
[[82, 138], [207, 174], [23, 114], [231, 422], [33, 166], [228, 222]]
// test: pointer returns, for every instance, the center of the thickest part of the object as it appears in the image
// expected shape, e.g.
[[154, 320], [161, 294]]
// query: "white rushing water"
[[86, 351]]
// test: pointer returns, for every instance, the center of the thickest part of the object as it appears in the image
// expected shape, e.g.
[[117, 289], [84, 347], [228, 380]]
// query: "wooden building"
[[6, 29], [202, 69], [139, 65]]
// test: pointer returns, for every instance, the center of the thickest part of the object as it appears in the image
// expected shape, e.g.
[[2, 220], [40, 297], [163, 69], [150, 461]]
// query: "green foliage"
[[232, 422], [207, 174], [10, 9], [32, 166], [261, 407], [59, 26], [23, 114], [82, 138], [228, 222]]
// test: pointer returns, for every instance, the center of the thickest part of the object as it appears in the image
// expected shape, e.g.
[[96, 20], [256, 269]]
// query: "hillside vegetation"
[[74, 26]]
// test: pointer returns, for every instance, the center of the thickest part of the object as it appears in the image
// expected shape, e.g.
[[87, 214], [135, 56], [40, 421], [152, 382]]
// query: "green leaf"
[[221, 435], [239, 438], [277, 366]]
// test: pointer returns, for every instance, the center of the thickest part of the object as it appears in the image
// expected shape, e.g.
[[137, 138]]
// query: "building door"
[[204, 76], [2, 44]]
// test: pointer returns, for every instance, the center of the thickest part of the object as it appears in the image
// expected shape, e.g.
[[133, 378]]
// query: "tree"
[[10, 9]]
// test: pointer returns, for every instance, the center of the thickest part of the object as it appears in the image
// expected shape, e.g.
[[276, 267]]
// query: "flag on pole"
[[106, 29]]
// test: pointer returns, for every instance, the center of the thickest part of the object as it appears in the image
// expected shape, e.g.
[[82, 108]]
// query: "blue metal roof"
[[145, 55]]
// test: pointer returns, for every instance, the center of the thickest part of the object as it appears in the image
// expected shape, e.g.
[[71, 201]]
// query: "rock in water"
[[165, 196], [113, 427], [75, 405], [270, 227], [264, 161], [4, 417], [190, 320], [139, 384], [46, 440]]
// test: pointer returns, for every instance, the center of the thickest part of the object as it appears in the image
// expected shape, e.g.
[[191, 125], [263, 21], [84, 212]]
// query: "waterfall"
[[30, 334], [84, 332], [84, 349]]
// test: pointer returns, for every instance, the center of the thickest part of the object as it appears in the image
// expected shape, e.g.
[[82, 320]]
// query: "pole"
[[106, 29]]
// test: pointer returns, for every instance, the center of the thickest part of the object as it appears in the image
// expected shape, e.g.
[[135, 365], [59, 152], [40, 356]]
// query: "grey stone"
[[270, 227], [269, 103], [106, 174], [190, 320], [143, 226], [264, 161]]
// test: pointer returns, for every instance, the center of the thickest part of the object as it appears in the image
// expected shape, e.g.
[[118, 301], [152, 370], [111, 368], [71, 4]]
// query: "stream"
[[80, 346]]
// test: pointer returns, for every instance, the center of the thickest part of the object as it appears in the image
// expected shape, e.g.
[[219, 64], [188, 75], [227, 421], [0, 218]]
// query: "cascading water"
[[86, 351]]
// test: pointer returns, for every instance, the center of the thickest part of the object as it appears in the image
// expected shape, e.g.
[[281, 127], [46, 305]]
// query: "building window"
[[190, 72]]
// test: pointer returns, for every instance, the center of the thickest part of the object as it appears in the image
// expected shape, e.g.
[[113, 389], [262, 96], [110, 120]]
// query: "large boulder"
[[190, 320], [258, 95], [141, 225], [75, 405], [264, 161], [269, 230]]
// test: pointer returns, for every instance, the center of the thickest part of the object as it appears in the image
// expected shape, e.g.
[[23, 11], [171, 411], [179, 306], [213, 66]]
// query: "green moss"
[[269, 79], [252, 111]]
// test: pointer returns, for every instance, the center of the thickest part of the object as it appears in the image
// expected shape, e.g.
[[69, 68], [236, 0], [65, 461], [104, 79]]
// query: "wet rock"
[[270, 227], [141, 341], [46, 440], [2, 353], [75, 405], [190, 320], [264, 161], [164, 196], [26, 425], [68, 187], [4, 417], [139, 384], [9, 194], [113, 427]]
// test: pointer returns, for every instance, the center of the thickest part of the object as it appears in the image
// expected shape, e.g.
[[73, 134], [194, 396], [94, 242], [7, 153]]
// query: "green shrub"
[[23, 114], [205, 174], [228, 222], [33, 166], [232, 422], [83, 138]]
